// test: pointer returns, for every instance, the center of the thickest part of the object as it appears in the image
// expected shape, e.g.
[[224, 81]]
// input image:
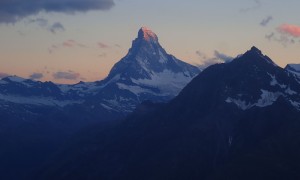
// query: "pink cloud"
[[73, 43], [66, 44], [102, 45], [292, 30], [69, 43]]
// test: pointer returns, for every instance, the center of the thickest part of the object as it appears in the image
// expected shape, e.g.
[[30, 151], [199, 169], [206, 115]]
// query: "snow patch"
[[86, 87], [163, 59], [290, 92], [143, 63], [106, 107], [114, 79], [16, 79], [167, 82], [116, 104], [267, 98], [113, 102], [3, 82], [37, 100], [294, 69], [230, 140], [240, 103], [295, 73], [274, 81], [82, 87], [134, 89], [295, 104]]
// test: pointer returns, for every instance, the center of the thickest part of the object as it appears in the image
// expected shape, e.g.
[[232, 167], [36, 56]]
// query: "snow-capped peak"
[[147, 72], [147, 57], [147, 34], [293, 67], [15, 79]]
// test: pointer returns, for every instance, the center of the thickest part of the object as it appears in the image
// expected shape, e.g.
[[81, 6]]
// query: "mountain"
[[147, 72], [37, 117], [238, 120], [293, 68]]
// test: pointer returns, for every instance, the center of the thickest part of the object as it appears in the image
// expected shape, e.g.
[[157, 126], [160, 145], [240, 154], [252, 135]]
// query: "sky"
[[67, 41]]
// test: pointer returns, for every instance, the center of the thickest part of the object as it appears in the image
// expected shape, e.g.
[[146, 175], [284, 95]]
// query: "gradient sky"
[[79, 40]]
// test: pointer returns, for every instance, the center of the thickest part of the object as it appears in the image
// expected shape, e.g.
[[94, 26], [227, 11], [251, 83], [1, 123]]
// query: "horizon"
[[82, 81], [67, 46]]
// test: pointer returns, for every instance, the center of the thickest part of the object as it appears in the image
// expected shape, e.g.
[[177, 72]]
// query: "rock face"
[[238, 120], [43, 114]]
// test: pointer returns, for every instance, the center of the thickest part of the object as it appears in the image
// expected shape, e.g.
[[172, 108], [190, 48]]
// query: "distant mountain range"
[[36, 117], [238, 120]]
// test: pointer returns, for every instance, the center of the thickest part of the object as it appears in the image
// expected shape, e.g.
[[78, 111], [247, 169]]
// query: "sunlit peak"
[[147, 34]]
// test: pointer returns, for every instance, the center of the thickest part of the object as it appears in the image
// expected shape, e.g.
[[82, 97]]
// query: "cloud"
[[284, 40], [201, 54], [69, 43], [56, 27], [218, 58], [257, 5], [43, 23], [102, 45], [21, 33], [3, 75], [39, 21], [281, 38], [266, 21], [290, 29], [52, 48], [285, 34], [36, 76], [66, 75], [82, 45], [66, 44], [223, 57], [12, 11], [270, 36]]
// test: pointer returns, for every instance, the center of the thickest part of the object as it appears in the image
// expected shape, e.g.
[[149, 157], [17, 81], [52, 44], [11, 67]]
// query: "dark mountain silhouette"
[[238, 120]]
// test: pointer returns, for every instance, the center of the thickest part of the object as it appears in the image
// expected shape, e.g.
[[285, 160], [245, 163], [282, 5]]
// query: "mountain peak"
[[147, 64], [255, 55], [147, 34], [255, 50], [14, 78]]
